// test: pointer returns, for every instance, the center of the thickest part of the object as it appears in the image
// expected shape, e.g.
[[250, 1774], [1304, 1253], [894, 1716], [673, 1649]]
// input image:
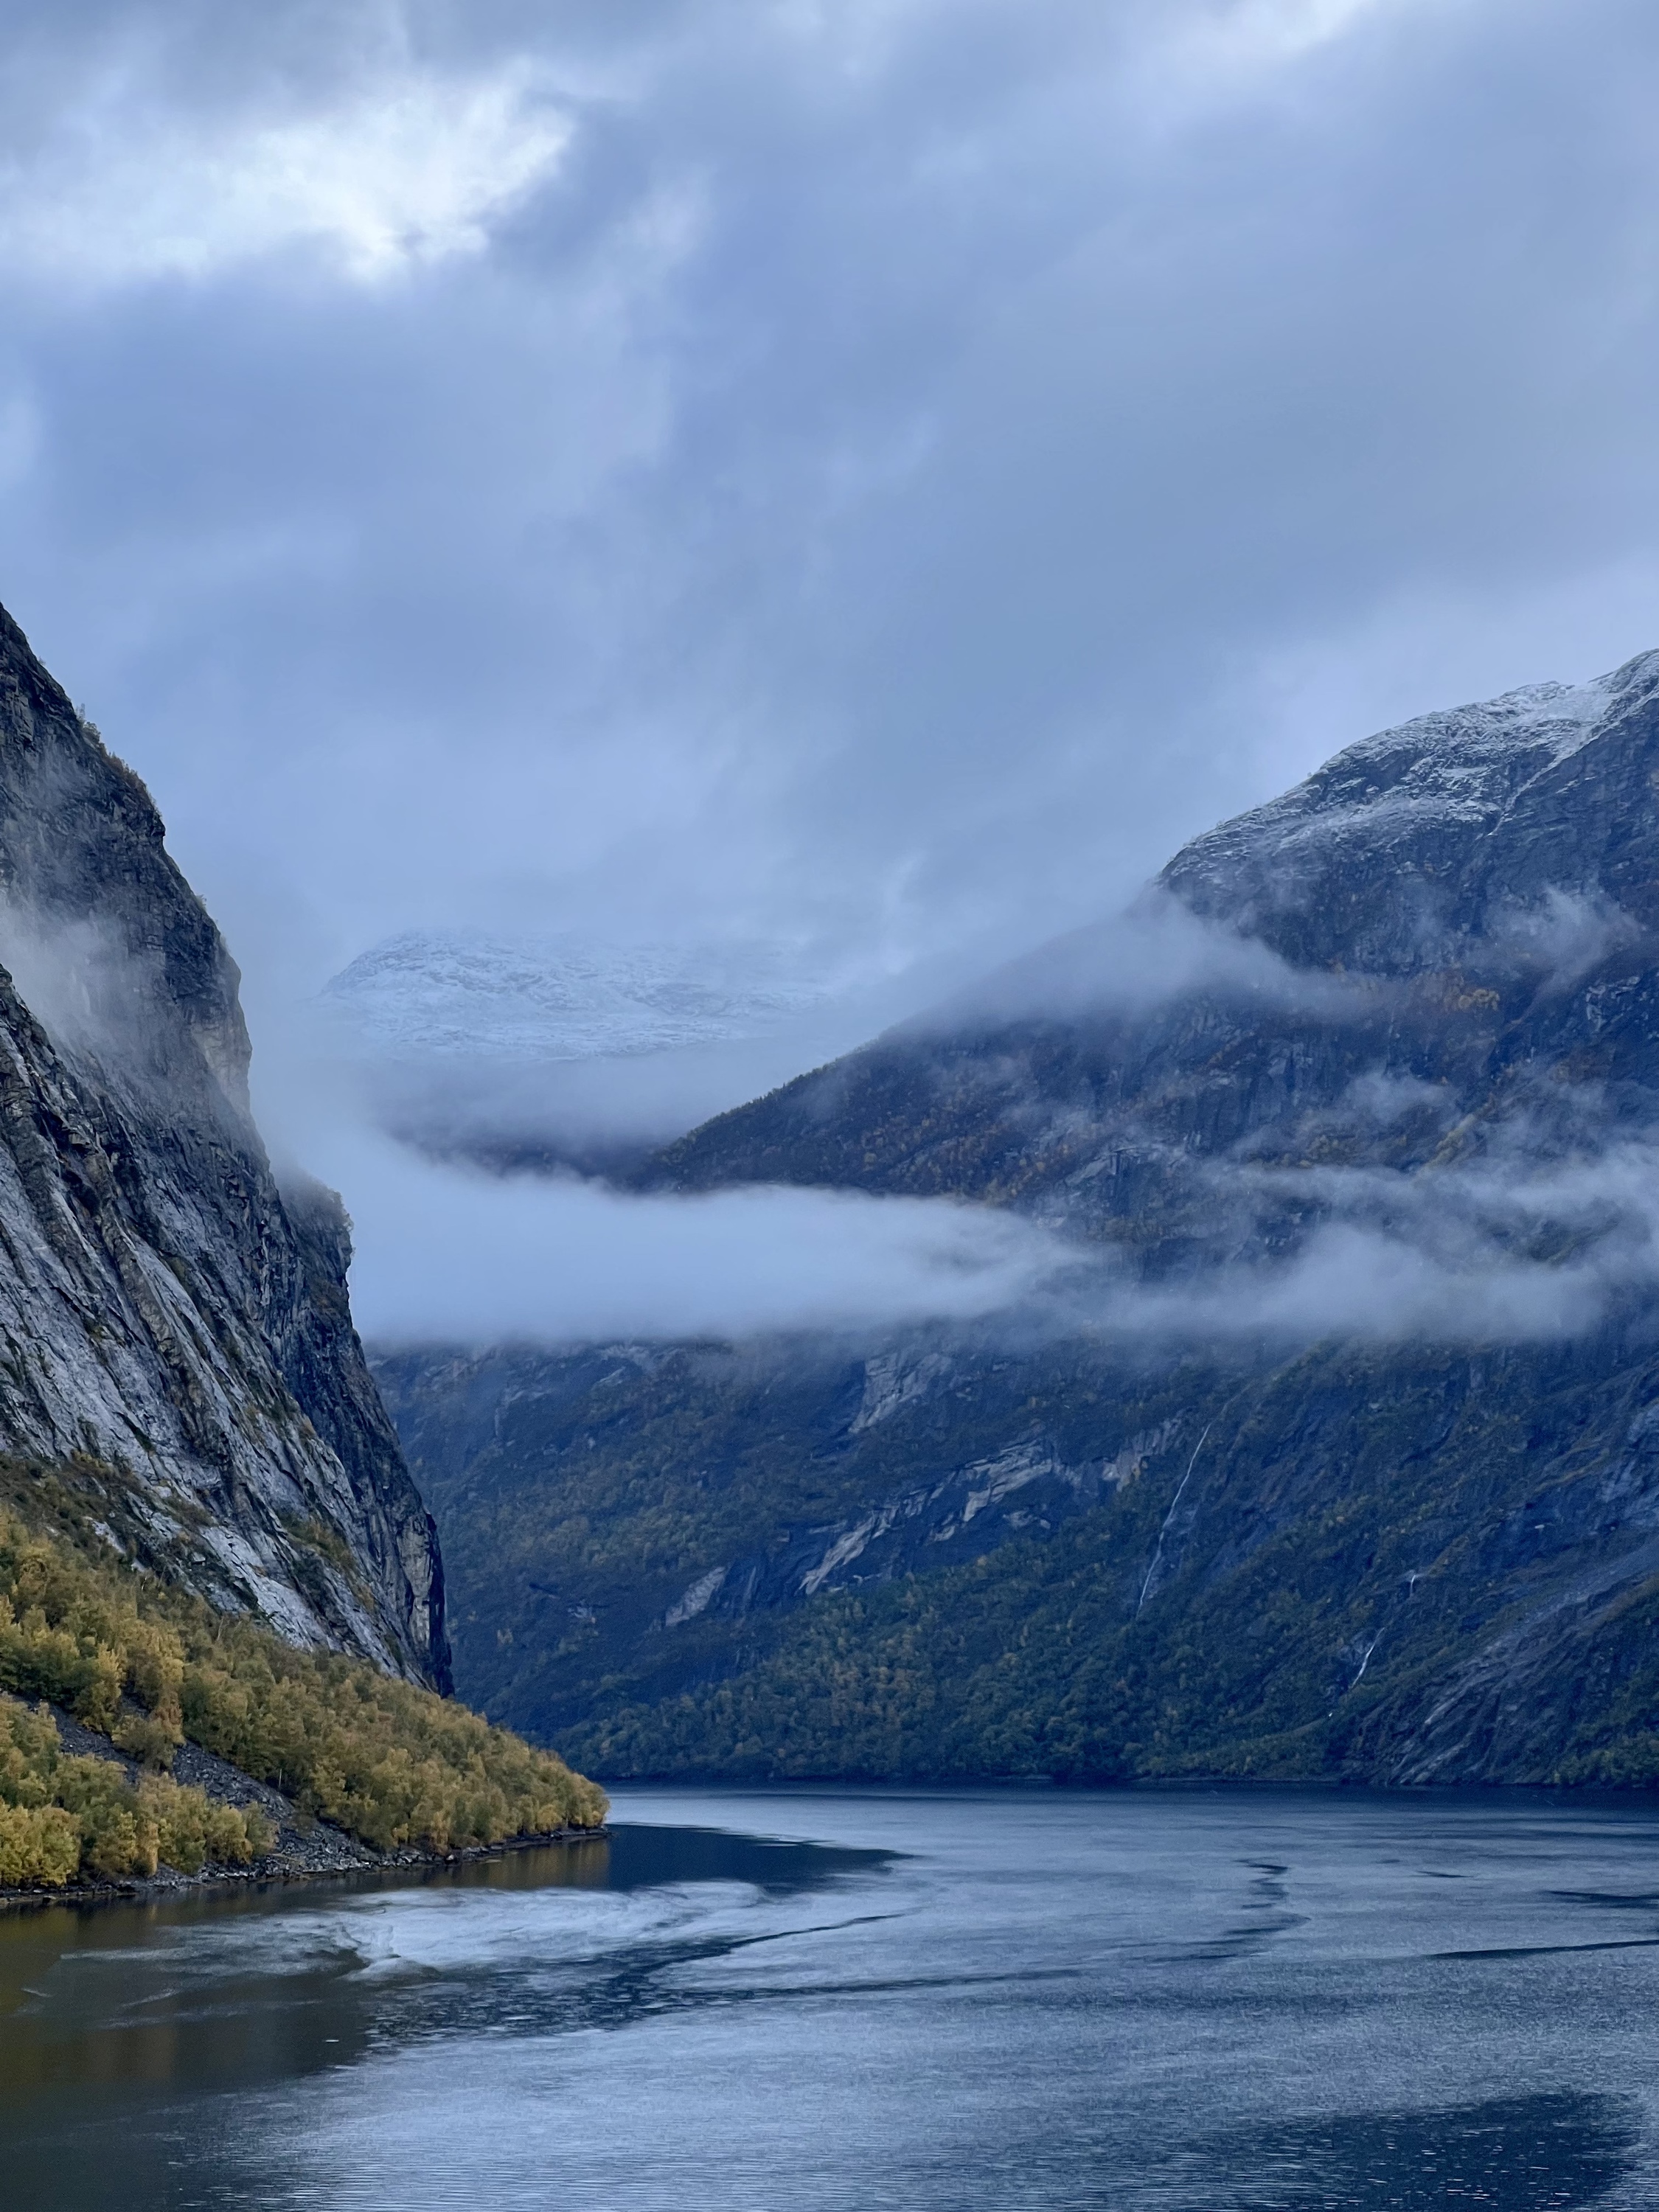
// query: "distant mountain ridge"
[[175, 1335], [1356, 1473]]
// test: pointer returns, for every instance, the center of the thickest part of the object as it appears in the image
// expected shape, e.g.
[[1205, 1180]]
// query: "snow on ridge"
[[1563, 716], [448, 994], [1463, 764], [1462, 741]]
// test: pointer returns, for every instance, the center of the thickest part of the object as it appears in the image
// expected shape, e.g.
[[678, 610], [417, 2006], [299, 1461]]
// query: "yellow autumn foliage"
[[62, 1816], [153, 1666]]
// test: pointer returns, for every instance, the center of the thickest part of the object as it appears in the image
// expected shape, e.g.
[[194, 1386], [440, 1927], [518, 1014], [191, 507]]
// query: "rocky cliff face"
[[174, 1329], [1337, 1456]]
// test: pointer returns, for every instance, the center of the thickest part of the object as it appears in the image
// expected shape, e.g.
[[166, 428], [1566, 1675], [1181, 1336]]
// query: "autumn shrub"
[[75, 1669], [191, 1829], [146, 1736], [39, 1846], [118, 1836], [62, 1815]]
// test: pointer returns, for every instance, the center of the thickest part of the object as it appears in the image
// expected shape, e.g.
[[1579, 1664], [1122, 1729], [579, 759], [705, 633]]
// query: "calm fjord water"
[[1180, 2001]]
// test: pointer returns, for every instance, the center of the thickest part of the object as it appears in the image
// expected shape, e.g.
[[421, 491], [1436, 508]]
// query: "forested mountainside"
[[175, 1337], [1335, 1450]]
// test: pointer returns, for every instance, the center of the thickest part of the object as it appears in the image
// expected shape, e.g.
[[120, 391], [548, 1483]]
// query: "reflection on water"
[[1153, 2002]]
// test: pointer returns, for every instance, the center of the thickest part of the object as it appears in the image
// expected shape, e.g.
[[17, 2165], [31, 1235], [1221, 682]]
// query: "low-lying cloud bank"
[[1485, 1255], [1546, 1230], [1516, 1243], [1502, 1251], [446, 1254]]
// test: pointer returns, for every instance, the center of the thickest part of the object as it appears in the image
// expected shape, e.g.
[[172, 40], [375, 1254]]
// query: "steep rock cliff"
[[174, 1328]]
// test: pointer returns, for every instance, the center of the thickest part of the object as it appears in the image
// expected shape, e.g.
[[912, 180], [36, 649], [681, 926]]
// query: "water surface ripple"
[[840, 2001]]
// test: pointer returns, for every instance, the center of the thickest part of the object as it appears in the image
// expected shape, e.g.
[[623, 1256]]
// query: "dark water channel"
[[1184, 2001]]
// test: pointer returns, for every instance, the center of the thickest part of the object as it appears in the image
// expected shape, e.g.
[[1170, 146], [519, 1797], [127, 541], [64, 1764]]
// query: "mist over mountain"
[[1332, 1456], [580, 1051]]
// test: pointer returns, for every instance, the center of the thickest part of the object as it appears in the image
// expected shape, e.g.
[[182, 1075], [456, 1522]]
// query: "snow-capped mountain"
[[429, 994], [574, 1051]]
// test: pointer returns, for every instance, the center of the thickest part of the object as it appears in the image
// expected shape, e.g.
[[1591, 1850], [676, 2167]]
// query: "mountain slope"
[[174, 1327], [1336, 1455]]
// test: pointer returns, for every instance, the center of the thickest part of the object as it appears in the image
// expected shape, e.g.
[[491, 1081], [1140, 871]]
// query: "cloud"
[[1158, 951], [447, 1252], [1503, 1252], [1353, 1286], [88, 989], [405, 171], [916, 465], [1516, 1243], [447, 1256]]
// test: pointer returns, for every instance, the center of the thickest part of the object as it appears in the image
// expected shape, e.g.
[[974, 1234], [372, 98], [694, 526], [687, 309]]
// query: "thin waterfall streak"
[[1157, 1550]]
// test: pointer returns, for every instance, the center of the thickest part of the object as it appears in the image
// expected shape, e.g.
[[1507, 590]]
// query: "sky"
[[875, 477]]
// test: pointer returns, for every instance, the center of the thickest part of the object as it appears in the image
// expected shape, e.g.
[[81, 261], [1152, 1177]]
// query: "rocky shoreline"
[[306, 1849]]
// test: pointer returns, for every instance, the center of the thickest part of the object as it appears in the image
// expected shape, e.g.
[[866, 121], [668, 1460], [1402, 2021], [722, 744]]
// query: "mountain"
[[175, 1338], [1333, 1448], [428, 994], [1400, 943], [574, 1051]]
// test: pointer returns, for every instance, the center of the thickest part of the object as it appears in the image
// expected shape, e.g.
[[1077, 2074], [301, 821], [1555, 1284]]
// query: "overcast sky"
[[884, 471], [880, 473]]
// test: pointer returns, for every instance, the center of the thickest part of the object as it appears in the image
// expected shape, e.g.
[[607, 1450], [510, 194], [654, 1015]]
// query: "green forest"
[[1336, 1566]]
